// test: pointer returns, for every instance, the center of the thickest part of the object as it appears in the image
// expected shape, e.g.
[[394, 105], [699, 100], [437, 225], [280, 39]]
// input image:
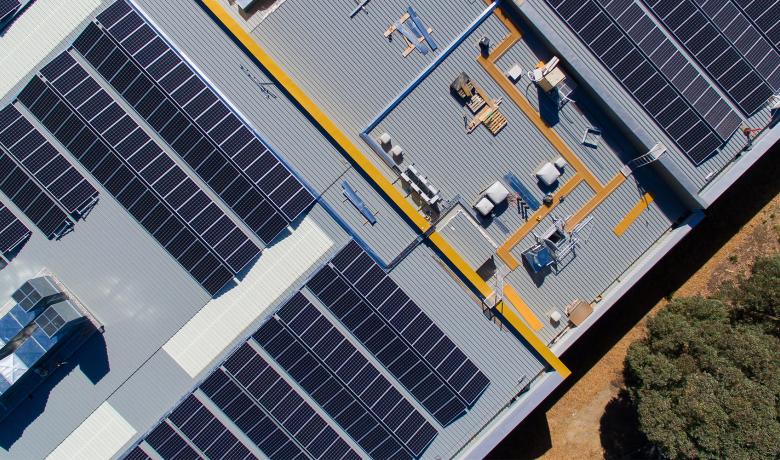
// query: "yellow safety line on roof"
[[633, 214], [511, 317], [379, 179], [525, 311]]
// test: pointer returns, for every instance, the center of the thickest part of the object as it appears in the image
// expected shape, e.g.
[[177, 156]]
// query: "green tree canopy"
[[706, 386], [757, 299]]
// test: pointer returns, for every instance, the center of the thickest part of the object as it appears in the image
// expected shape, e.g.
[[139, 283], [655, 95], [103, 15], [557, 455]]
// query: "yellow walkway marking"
[[633, 214], [528, 315], [373, 172], [582, 171], [508, 313]]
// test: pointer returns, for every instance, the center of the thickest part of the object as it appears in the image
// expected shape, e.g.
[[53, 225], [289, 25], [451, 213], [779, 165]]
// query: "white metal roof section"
[[34, 34], [220, 322], [101, 435]]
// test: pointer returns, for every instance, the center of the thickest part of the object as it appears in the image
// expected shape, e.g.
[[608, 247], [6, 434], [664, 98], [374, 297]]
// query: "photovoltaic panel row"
[[147, 208], [206, 432], [316, 332], [660, 95], [403, 319], [713, 52], [31, 199], [12, 230], [261, 403], [648, 37], [349, 389], [208, 437], [764, 14], [187, 91], [185, 137], [738, 29], [8, 8], [150, 162], [44, 162], [384, 342], [137, 453]]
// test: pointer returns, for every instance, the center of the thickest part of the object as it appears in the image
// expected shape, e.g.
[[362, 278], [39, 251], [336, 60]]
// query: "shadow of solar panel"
[[197, 103], [713, 52], [654, 72], [12, 231], [43, 161], [378, 417]]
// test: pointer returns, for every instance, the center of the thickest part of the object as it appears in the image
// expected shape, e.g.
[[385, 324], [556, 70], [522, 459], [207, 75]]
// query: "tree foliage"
[[705, 380], [757, 298]]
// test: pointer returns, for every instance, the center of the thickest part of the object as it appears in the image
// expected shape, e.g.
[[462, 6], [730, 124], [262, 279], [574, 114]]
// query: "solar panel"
[[137, 454], [361, 294], [7, 9], [195, 106], [743, 34], [44, 162], [347, 387], [170, 444], [265, 412], [713, 52], [658, 76], [206, 432], [31, 199], [188, 142], [763, 14], [115, 127], [388, 346], [12, 231], [121, 182]]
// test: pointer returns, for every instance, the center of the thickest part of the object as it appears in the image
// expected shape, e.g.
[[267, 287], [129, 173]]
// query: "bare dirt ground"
[[588, 416]]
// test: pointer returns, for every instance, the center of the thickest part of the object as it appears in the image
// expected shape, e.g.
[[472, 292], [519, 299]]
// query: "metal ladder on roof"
[[652, 155]]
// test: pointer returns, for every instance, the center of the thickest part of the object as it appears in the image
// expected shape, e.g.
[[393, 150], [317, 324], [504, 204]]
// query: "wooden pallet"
[[409, 45]]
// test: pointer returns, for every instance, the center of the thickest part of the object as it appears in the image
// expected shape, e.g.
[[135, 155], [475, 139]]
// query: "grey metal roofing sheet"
[[549, 22]]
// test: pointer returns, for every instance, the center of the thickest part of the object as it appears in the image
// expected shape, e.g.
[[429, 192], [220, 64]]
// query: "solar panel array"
[[713, 52], [12, 231], [260, 404], [763, 14], [169, 440], [750, 42], [42, 161], [401, 336], [654, 71], [192, 118], [344, 383], [31, 199], [122, 157], [270, 412]]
